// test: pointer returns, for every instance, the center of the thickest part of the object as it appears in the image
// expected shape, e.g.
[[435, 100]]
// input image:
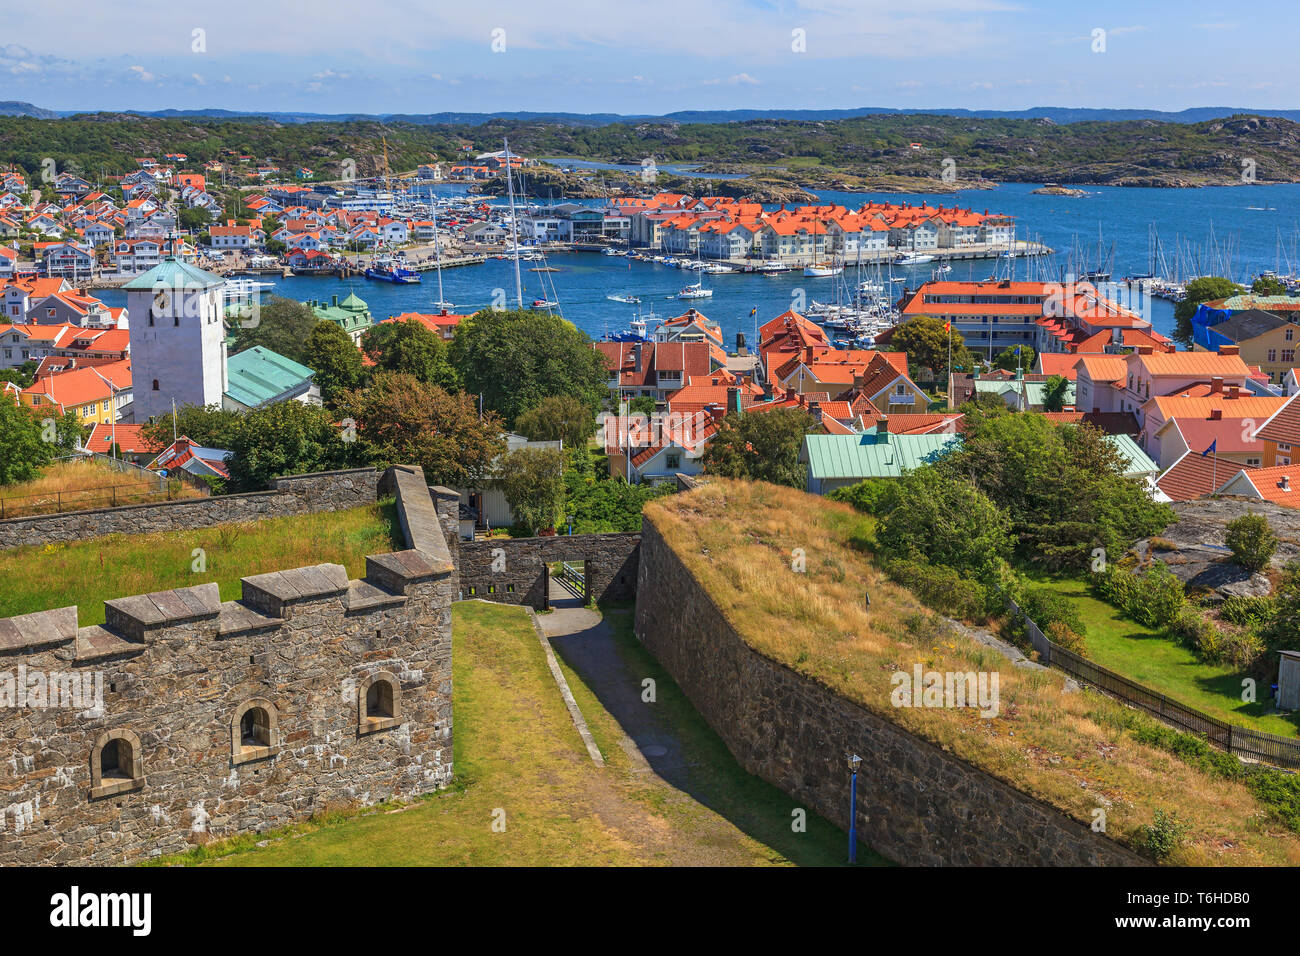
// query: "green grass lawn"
[[1161, 663], [516, 750], [86, 573]]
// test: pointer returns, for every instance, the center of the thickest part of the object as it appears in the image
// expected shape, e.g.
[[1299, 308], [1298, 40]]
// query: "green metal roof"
[[865, 456], [1034, 392], [348, 319], [353, 304], [1136, 461], [256, 376], [174, 274]]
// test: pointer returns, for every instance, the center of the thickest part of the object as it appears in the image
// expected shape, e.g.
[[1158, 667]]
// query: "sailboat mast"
[[514, 233], [437, 252]]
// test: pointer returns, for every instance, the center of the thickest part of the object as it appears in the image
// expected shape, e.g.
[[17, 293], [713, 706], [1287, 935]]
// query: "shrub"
[[1241, 649], [1162, 837], [942, 588], [868, 495], [1045, 607], [1247, 611], [1062, 634], [1251, 541], [1154, 598]]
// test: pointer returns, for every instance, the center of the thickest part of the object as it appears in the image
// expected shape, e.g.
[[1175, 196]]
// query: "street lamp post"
[[570, 524], [854, 762]]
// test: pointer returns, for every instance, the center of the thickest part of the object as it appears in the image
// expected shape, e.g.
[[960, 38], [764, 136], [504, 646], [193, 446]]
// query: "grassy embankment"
[[516, 750], [83, 485], [1074, 750], [1151, 657], [87, 573]]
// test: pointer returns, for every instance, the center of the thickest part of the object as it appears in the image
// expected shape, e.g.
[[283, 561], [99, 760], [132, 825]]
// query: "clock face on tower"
[[161, 303]]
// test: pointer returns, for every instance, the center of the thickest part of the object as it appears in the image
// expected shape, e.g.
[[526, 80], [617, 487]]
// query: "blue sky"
[[405, 56]]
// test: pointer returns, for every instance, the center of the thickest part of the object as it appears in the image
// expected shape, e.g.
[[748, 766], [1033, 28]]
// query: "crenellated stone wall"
[[214, 718], [916, 803], [290, 495]]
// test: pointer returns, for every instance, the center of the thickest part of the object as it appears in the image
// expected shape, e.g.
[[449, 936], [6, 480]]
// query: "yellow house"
[[93, 394], [1265, 339]]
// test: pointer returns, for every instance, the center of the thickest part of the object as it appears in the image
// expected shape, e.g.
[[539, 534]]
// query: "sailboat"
[[696, 290], [820, 270], [442, 304], [1102, 272]]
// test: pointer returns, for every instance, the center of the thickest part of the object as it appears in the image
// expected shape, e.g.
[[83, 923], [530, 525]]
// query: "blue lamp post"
[[854, 762], [570, 517]]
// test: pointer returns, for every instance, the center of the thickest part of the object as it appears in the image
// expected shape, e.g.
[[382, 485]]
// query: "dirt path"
[[585, 641]]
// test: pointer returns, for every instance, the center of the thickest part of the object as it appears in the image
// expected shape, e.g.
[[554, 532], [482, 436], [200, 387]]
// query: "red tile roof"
[[1284, 424], [1195, 476]]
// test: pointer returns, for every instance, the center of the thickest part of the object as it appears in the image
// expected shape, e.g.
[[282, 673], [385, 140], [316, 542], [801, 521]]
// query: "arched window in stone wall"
[[254, 731], [116, 764], [379, 703]]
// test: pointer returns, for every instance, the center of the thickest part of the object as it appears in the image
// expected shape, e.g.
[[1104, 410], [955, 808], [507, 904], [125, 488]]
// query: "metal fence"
[[574, 578], [1255, 744]]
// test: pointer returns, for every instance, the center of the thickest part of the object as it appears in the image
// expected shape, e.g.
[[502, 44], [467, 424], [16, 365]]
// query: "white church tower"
[[178, 350]]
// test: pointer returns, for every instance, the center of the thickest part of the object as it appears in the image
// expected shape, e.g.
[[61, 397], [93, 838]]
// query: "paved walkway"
[[585, 641]]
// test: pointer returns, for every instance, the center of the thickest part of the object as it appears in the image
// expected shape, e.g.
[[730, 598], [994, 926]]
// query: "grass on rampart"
[[87, 573], [1069, 749], [85, 485]]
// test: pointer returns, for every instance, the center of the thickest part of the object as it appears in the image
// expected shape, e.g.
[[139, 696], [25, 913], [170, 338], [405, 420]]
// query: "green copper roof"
[[865, 456], [353, 304], [1035, 392], [346, 319], [174, 274], [256, 376], [1136, 461]]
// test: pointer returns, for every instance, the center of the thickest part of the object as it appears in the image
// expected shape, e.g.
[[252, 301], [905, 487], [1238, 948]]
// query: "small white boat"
[[916, 259], [627, 299], [821, 270], [695, 291]]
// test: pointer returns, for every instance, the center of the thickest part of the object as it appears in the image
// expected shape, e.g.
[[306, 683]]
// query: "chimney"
[[1116, 337], [1234, 391], [1229, 349], [808, 353], [334, 299], [1216, 414], [1284, 483], [858, 379], [1216, 385], [882, 432], [636, 356], [733, 401], [1144, 350]]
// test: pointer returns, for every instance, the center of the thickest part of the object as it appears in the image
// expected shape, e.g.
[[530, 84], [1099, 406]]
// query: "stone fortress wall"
[[916, 804], [215, 718]]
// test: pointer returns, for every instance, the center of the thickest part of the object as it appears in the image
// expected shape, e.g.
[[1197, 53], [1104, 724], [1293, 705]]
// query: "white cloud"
[[737, 80], [142, 74]]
